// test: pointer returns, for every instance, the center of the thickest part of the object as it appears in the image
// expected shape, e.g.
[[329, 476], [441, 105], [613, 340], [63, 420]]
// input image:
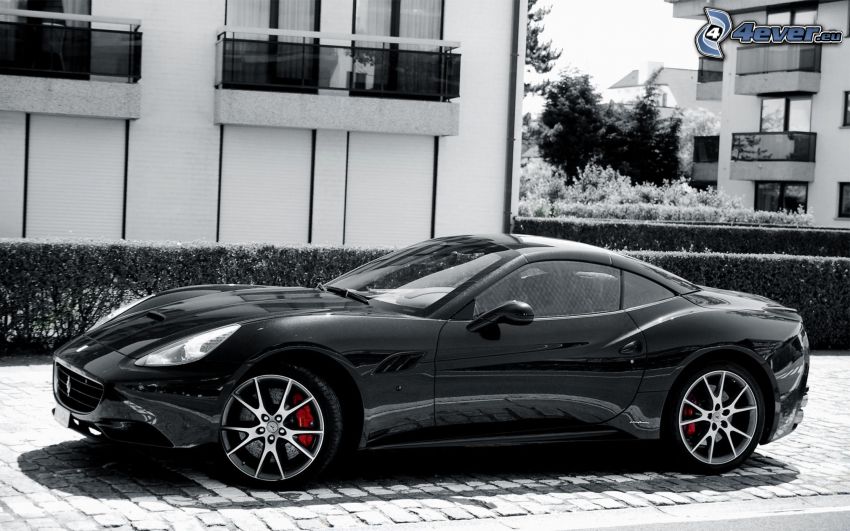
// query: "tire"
[[715, 419], [288, 438]]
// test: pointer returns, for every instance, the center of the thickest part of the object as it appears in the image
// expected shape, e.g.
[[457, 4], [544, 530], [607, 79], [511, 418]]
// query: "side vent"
[[399, 362]]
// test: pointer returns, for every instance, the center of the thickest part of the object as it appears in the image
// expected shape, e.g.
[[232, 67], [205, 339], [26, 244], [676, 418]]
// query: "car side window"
[[556, 289], [638, 290]]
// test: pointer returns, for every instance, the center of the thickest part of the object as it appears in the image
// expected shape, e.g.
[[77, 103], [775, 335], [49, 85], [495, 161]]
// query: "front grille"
[[76, 392]]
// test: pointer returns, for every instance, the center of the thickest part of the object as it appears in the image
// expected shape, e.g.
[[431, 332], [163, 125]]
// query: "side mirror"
[[512, 312]]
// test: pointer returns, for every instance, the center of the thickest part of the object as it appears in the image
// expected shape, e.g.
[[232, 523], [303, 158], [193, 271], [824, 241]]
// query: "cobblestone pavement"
[[51, 478]]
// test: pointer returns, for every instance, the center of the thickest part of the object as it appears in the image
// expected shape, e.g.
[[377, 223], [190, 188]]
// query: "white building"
[[785, 111], [676, 88], [289, 121]]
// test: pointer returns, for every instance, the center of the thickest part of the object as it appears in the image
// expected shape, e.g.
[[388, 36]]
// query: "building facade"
[[362, 122], [676, 89], [785, 112]]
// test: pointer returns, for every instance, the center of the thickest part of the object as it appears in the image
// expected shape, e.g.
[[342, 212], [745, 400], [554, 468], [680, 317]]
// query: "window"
[[801, 16], [777, 196], [420, 19], [847, 108], [638, 291], [300, 15], [556, 289], [786, 114], [844, 200]]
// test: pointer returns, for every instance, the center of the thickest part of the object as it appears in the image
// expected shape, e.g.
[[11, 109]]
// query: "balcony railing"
[[710, 70], [765, 59], [297, 61], [706, 148], [787, 146], [42, 44]]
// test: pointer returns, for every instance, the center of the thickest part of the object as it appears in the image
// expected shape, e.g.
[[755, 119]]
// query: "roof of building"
[[631, 80]]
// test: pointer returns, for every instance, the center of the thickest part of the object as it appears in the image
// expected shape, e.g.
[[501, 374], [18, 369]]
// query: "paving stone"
[[51, 477]]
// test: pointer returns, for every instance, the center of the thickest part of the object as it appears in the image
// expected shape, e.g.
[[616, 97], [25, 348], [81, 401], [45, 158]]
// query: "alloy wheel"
[[718, 417], [272, 428]]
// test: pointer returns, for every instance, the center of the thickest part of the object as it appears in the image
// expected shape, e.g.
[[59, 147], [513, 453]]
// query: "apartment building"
[[362, 122], [785, 112]]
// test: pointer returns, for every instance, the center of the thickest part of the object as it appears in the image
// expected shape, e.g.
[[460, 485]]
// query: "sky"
[[609, 38]]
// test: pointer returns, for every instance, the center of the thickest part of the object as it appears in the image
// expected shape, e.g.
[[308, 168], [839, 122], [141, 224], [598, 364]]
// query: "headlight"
[[115, 313], [188, 350]]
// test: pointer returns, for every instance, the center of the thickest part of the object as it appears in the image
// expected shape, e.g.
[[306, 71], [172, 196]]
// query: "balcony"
[[770, 69], [706, 155], [69, 64], [788, 156], [695, 9], [709, 79], [331, 81]]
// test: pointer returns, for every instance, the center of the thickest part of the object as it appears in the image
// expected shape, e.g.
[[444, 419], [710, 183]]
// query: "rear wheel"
[[281, 429], [717, 418]]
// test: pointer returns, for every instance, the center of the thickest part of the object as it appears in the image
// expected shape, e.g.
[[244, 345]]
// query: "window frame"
[[395, 18], [793, 9], [472, 301], [841, 204], [639, 306], [782, 186], [786, 113], [274, 16], [846, 121]]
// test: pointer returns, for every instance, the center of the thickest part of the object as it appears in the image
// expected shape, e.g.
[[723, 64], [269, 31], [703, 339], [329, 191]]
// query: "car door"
[[577, 363]]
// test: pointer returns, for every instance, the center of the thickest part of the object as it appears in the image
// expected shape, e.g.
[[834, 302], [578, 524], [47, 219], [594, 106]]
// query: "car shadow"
[[192, 478]]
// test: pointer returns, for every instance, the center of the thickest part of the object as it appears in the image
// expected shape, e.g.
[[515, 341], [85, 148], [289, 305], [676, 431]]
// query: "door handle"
[[632, 347]]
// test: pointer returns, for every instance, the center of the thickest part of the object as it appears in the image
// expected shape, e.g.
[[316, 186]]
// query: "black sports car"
[[468, 340]]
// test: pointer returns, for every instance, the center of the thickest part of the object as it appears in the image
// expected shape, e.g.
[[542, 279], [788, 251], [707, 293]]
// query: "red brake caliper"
[[691, 428], [304, 419]]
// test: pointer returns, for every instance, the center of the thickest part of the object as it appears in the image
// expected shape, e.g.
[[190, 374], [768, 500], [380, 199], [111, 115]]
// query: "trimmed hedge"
[[51, 291], [636, 235]]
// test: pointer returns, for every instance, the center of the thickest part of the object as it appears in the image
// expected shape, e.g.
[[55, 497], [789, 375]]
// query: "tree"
[[633, 139], [540, 56], [572, 123], [695, 122]]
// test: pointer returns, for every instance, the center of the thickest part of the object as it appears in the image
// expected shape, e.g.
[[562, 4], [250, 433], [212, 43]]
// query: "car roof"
[[538, 248], [532, 245]]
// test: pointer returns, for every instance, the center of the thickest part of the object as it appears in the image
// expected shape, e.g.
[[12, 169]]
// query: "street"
[[52, 478]]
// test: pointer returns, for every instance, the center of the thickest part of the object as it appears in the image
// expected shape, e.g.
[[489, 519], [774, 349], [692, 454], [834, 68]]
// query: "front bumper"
[[173, 407]]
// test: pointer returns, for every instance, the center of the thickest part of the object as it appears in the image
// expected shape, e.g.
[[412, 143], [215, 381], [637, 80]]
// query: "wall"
[[471, 169], [173, 160], [12, 140], [174, 164], [833, 141]]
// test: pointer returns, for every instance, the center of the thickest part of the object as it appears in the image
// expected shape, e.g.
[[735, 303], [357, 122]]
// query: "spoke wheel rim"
[[272, 428], [718, 417]]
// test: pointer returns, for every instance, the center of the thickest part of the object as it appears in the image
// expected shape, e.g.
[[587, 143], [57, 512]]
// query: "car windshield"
[[419, 276]]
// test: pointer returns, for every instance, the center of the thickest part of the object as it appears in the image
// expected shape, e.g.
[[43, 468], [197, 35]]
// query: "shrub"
[[656, 236], [602, 193], [52, 291]]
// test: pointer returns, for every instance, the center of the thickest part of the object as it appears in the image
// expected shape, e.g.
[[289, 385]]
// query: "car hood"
[[173, 315]]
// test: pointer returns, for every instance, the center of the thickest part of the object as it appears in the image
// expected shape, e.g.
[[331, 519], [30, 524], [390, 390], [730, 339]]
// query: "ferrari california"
[[456, 341]]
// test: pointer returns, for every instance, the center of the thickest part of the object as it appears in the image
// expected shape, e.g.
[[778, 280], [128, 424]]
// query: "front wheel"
[[717, 418], [281, 429]]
